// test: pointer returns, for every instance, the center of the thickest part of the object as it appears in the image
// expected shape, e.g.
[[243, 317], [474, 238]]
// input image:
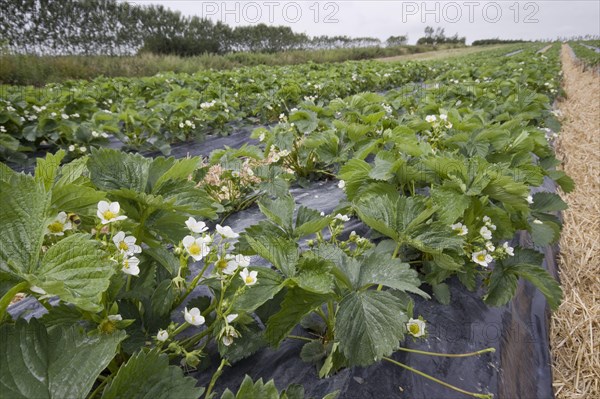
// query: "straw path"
[[575, 335]]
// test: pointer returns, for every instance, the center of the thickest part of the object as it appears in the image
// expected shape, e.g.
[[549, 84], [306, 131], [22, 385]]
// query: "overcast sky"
[[381, 19]]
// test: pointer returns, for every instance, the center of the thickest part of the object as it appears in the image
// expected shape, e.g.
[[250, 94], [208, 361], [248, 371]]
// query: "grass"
[[39, 70], [442, 53]]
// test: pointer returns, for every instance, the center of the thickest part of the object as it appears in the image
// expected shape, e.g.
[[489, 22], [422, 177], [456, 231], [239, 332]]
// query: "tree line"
[[108, 27], [438, 36]]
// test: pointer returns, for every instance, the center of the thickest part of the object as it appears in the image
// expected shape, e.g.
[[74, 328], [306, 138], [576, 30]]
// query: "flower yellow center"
[[481, 257], [56, 227], [123, 246], [194, 249], [249, 280], [126, 264], [108, 215], [222, 264], [414, 329]]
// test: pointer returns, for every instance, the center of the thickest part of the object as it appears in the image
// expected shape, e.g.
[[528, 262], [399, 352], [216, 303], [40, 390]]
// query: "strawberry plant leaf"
[[156, 379], [62, 363], [369, 325]]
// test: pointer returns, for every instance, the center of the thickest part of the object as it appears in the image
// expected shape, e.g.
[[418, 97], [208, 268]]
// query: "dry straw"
[[575, 326]]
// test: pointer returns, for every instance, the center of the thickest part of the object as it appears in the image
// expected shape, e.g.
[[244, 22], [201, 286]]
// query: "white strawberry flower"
[[197, 247], [196, 226], [231, 317], [59, 225], [538, 221], [131, 266], [226, 232], [416, 327], [508, 249], [249, 277], [342, 184], [162, 335], [444, 117], [126, 244], [108, 212], [228, 265], [482, 258], [490, 246], [115, 317], [430, 118], [485, 233], [343, 218], [460, 229], [242, 261], [529, 199], [193, 316]]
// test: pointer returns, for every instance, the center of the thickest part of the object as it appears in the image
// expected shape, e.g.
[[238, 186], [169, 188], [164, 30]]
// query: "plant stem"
[[422, 374], [300, 338], [128, 286], [215, 377], [10, 294], [99, 388], [481, 352]]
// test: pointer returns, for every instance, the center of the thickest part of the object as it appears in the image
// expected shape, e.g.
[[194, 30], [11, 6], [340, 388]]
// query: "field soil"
[[575, 341]]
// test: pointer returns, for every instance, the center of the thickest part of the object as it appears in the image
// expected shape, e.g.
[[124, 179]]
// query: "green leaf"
[[355, 173], [76, 198], [296, 304], [278, 250], [250, 341], [305, 121], [442, 293], [382, 213], [63, 363], [380, 269], [386, 165], [47, 169], [22, 222], [269, 283], [180, 170], [502, 286], [309, 221], [251, 390], [369, 325], [112, 170], [451, 203], [154, 379], [548, 202], [543, 281], [526, 264], [76, 270], [163, 298], [313, 351], [314, 275], [280, 211], [544, 233]]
